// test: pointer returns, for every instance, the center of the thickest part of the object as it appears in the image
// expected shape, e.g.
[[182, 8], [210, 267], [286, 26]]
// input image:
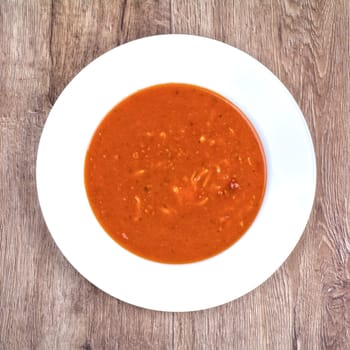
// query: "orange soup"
[[175, 173]]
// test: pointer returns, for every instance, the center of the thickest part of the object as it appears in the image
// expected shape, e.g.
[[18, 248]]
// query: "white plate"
[[291, 171]]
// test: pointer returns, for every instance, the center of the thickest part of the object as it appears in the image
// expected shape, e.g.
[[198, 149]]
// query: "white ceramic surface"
[[217, 66]]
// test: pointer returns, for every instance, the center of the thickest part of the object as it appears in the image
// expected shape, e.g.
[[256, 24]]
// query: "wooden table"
[[45, 303]]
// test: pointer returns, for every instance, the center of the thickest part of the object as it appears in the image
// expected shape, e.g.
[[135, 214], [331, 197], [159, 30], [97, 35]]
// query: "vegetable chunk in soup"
[[175, 173]]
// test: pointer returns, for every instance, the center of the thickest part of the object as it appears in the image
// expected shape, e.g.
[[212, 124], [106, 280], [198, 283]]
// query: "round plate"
[[291, 171]]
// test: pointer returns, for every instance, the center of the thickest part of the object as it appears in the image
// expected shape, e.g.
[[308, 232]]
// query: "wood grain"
[[45, 303]]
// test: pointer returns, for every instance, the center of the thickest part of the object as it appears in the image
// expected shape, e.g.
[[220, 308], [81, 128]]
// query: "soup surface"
[[175, 173]]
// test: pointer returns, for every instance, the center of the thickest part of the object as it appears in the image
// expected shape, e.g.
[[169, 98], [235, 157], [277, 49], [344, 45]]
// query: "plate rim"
[[195, 37]]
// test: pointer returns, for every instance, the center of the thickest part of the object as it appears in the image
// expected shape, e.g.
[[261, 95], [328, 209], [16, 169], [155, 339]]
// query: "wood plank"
[[23, 104]]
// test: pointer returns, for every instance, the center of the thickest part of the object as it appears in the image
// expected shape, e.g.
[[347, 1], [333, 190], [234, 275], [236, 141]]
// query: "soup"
[[175, 173]]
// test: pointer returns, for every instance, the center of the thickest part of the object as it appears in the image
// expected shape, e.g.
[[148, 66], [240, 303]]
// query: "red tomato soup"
[[175, 173]]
